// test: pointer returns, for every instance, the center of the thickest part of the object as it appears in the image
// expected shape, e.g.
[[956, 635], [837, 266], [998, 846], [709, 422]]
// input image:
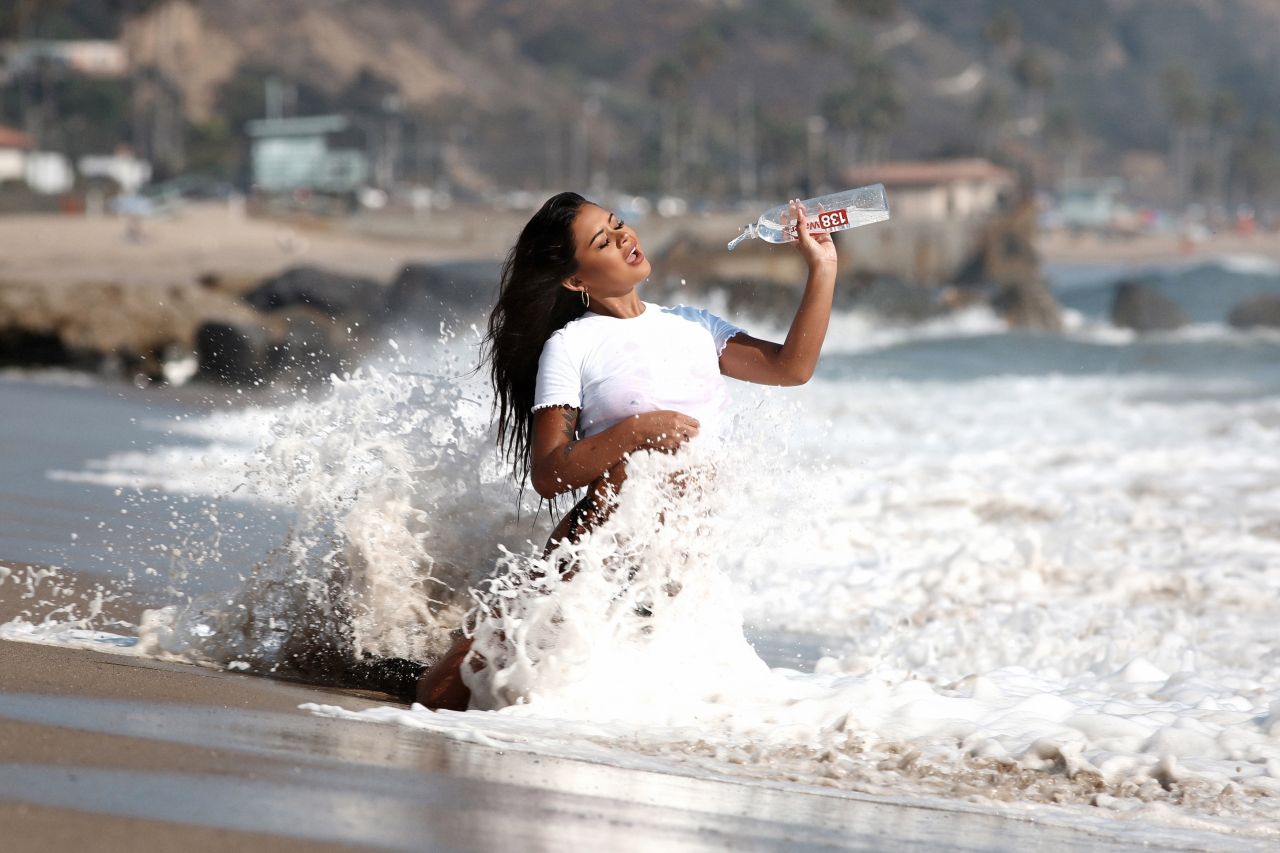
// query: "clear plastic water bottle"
[[827, 214]]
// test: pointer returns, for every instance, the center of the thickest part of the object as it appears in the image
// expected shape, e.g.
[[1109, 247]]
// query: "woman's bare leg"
[[441, 687]]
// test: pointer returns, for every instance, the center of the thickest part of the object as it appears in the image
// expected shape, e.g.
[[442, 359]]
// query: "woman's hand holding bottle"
[[817, 249]]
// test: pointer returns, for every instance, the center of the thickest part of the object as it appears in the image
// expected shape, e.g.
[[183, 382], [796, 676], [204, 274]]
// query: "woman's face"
[[610, 262]]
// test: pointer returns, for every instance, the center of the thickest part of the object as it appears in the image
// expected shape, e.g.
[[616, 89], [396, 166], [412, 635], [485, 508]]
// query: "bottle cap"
[[747, 232]]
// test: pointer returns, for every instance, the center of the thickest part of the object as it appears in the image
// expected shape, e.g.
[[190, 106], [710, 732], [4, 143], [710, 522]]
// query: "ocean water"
[[1039, 574]]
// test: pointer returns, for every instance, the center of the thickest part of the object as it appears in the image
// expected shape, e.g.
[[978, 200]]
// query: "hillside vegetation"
[[717, 97]]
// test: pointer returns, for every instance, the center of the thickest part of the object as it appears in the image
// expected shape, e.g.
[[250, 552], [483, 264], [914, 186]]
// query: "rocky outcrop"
[[332, 294], [424, 296], [1004, 270], [298, 326], [318, 318], [1028, 305], [1005, 253], [232, 353], [1259, 312], [893, 300], [110, 327], [1142, 308], [33, 349], [311, 347], [314, 322]]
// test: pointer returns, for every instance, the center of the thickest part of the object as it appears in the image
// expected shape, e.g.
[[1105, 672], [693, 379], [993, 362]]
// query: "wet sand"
[[1063, 247], [108, 752], [214, 238], [211, 238]]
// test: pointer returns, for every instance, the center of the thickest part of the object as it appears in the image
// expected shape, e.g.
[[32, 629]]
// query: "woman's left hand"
[[818, 249], [793, 361]]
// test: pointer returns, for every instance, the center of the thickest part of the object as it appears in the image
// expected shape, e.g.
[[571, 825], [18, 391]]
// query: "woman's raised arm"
[[793, 361]]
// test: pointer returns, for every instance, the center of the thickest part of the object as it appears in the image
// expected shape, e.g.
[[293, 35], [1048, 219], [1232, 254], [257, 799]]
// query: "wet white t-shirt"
[[611, 368]]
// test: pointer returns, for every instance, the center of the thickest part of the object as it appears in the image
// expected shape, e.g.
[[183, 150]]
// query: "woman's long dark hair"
[[532, 303]]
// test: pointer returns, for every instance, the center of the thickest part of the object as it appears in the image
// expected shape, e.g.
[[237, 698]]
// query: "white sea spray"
[[1032, 588], [389, 482], [1041, 588]]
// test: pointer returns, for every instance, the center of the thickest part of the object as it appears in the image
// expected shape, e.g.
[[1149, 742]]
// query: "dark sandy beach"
[[108, 752]]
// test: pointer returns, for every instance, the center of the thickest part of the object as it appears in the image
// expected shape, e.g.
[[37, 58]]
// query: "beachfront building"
[[92, 58], [14, 146], [306, 153], [42, 172], [938, 190], [123, 169], [940, 209], [1091, 204]]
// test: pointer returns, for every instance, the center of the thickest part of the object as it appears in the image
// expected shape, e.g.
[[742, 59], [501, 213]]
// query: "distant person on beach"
[[587, 373]]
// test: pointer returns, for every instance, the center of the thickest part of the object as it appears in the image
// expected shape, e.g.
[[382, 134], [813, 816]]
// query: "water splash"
[[390, 481]]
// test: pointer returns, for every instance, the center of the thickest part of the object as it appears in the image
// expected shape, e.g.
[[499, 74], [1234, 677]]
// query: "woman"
[[586, 373]]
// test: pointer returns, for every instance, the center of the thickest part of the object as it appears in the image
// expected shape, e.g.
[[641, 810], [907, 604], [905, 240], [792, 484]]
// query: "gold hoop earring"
[[586, 299]]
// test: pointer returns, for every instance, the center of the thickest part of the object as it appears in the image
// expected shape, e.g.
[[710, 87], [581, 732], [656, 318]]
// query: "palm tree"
[[1034, 77], [1003, 31], [991, 113], [669, 84], [879, 10], [1186, 110], [1003, 34], [1255, 164], [866, 112], [1225, 117], [1064, 137]]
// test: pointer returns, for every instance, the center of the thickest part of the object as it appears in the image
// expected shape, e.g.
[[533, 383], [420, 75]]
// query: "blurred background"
[[203, 147], [1172, 103]]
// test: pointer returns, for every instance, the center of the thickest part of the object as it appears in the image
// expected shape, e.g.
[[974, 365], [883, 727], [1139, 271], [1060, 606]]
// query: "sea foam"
[[1035, 588]]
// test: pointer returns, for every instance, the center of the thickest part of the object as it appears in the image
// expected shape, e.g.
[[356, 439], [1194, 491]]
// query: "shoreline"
[[115, 752], [211, 239], [229, 753], [1064, 248]]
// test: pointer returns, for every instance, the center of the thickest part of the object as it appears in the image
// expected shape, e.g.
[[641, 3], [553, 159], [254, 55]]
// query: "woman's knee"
[[441, 687]]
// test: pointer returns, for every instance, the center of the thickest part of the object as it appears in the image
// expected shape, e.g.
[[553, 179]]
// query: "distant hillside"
[[702, 97]]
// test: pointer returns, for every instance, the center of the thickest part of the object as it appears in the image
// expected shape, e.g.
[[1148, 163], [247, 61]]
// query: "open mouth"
[[635, 256]]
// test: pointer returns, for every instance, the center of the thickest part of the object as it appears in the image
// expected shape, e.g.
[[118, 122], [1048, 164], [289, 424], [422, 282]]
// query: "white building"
[[307, 152], [940, 211], [93, 58], [44, 172], [49, 172], [127, 171], [14, 145], [937, 190]]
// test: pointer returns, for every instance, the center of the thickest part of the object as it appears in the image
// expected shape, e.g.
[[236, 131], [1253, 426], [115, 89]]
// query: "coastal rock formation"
[[318, 318], [332, 294], [232, 353], [894, 300], [1006, 258], [1260, 311], [313, 347], [110, 326], [1005, 253], [1028, 305], [1142, 308], [426, 295]]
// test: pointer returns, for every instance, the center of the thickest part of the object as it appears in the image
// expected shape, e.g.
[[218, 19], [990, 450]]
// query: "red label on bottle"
[[827, 220]]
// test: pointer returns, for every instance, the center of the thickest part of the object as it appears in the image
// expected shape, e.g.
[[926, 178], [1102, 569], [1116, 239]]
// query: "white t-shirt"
[[610, 368]]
